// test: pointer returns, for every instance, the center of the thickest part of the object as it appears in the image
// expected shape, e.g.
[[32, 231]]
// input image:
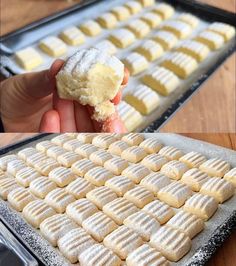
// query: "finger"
[[65, 109], [118, 97], [126, 77], [55, 68], [82, 118], [36, 84], [50, 122], [114, 125]]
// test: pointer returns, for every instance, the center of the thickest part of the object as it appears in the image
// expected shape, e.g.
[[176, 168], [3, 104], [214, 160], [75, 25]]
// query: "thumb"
[[37, 84]]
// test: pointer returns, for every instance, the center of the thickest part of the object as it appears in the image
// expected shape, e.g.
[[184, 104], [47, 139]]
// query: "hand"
[[29, 103]]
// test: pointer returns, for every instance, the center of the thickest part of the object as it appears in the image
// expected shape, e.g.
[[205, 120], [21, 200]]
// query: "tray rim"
[[214, 242]]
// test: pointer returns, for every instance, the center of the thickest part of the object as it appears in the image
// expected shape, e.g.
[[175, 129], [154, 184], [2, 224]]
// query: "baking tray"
[[30, 34], [204, 245]]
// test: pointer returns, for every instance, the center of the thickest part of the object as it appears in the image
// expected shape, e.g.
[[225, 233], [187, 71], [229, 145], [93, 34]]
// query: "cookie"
[[62, 176], [122, 241], [58, 199], [194, 49], [45, 166], [13, 167], [231, 176], [19, 198], [86, 137], [72, 36], [136, 172], [99, 225], [147, 3], [152, 19], [116, 165], [139, 196], [121, 12], [107, 46], [119, 184], [225, 30], [99, 255], [107, 20], [72, 145], [55, 227], [119, 209], [174, 169], [61, 139], [53, 46], [171, 153], [159, 210], [146, 255], [101, 196], [73, 243], [98, 176], [68, 158], [150, 49], [180, 243], [6, 186], [91, 28], [187, 223], [118, 147], [43, 146], [103, 141], [143, 99], [131, 118], [154, 162], [80, 210], [161, 80], [122, 38], [23, 154], [220, 189], [133, 6], [26, 175], [203, 206], [190, 19], [136, 63], [165, 38], [193, 159], [194, 178], [151, 145], [79, 188], [181, 64], [41, 186], [143, 224], [215, 167], [154, 182], [5, 160], [139, 28], [181, 29], [28, 58], [86, 150], [36, 212], [164, 10], [133, 139], [81, 167], [213, 40], [175, 194]]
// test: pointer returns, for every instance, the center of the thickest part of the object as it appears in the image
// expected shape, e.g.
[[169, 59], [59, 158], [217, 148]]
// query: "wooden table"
[[212, 109], [225, 255]]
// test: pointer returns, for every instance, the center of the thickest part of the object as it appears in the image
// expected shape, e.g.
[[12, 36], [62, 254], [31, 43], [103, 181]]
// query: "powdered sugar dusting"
[[83, 60]]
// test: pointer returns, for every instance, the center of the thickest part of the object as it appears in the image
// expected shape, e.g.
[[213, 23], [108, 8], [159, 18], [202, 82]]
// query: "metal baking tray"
[[216, 231], [29, 35]]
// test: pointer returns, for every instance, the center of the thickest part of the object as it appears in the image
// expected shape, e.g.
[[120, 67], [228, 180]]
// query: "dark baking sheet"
[[14, 41], [47, 255]]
